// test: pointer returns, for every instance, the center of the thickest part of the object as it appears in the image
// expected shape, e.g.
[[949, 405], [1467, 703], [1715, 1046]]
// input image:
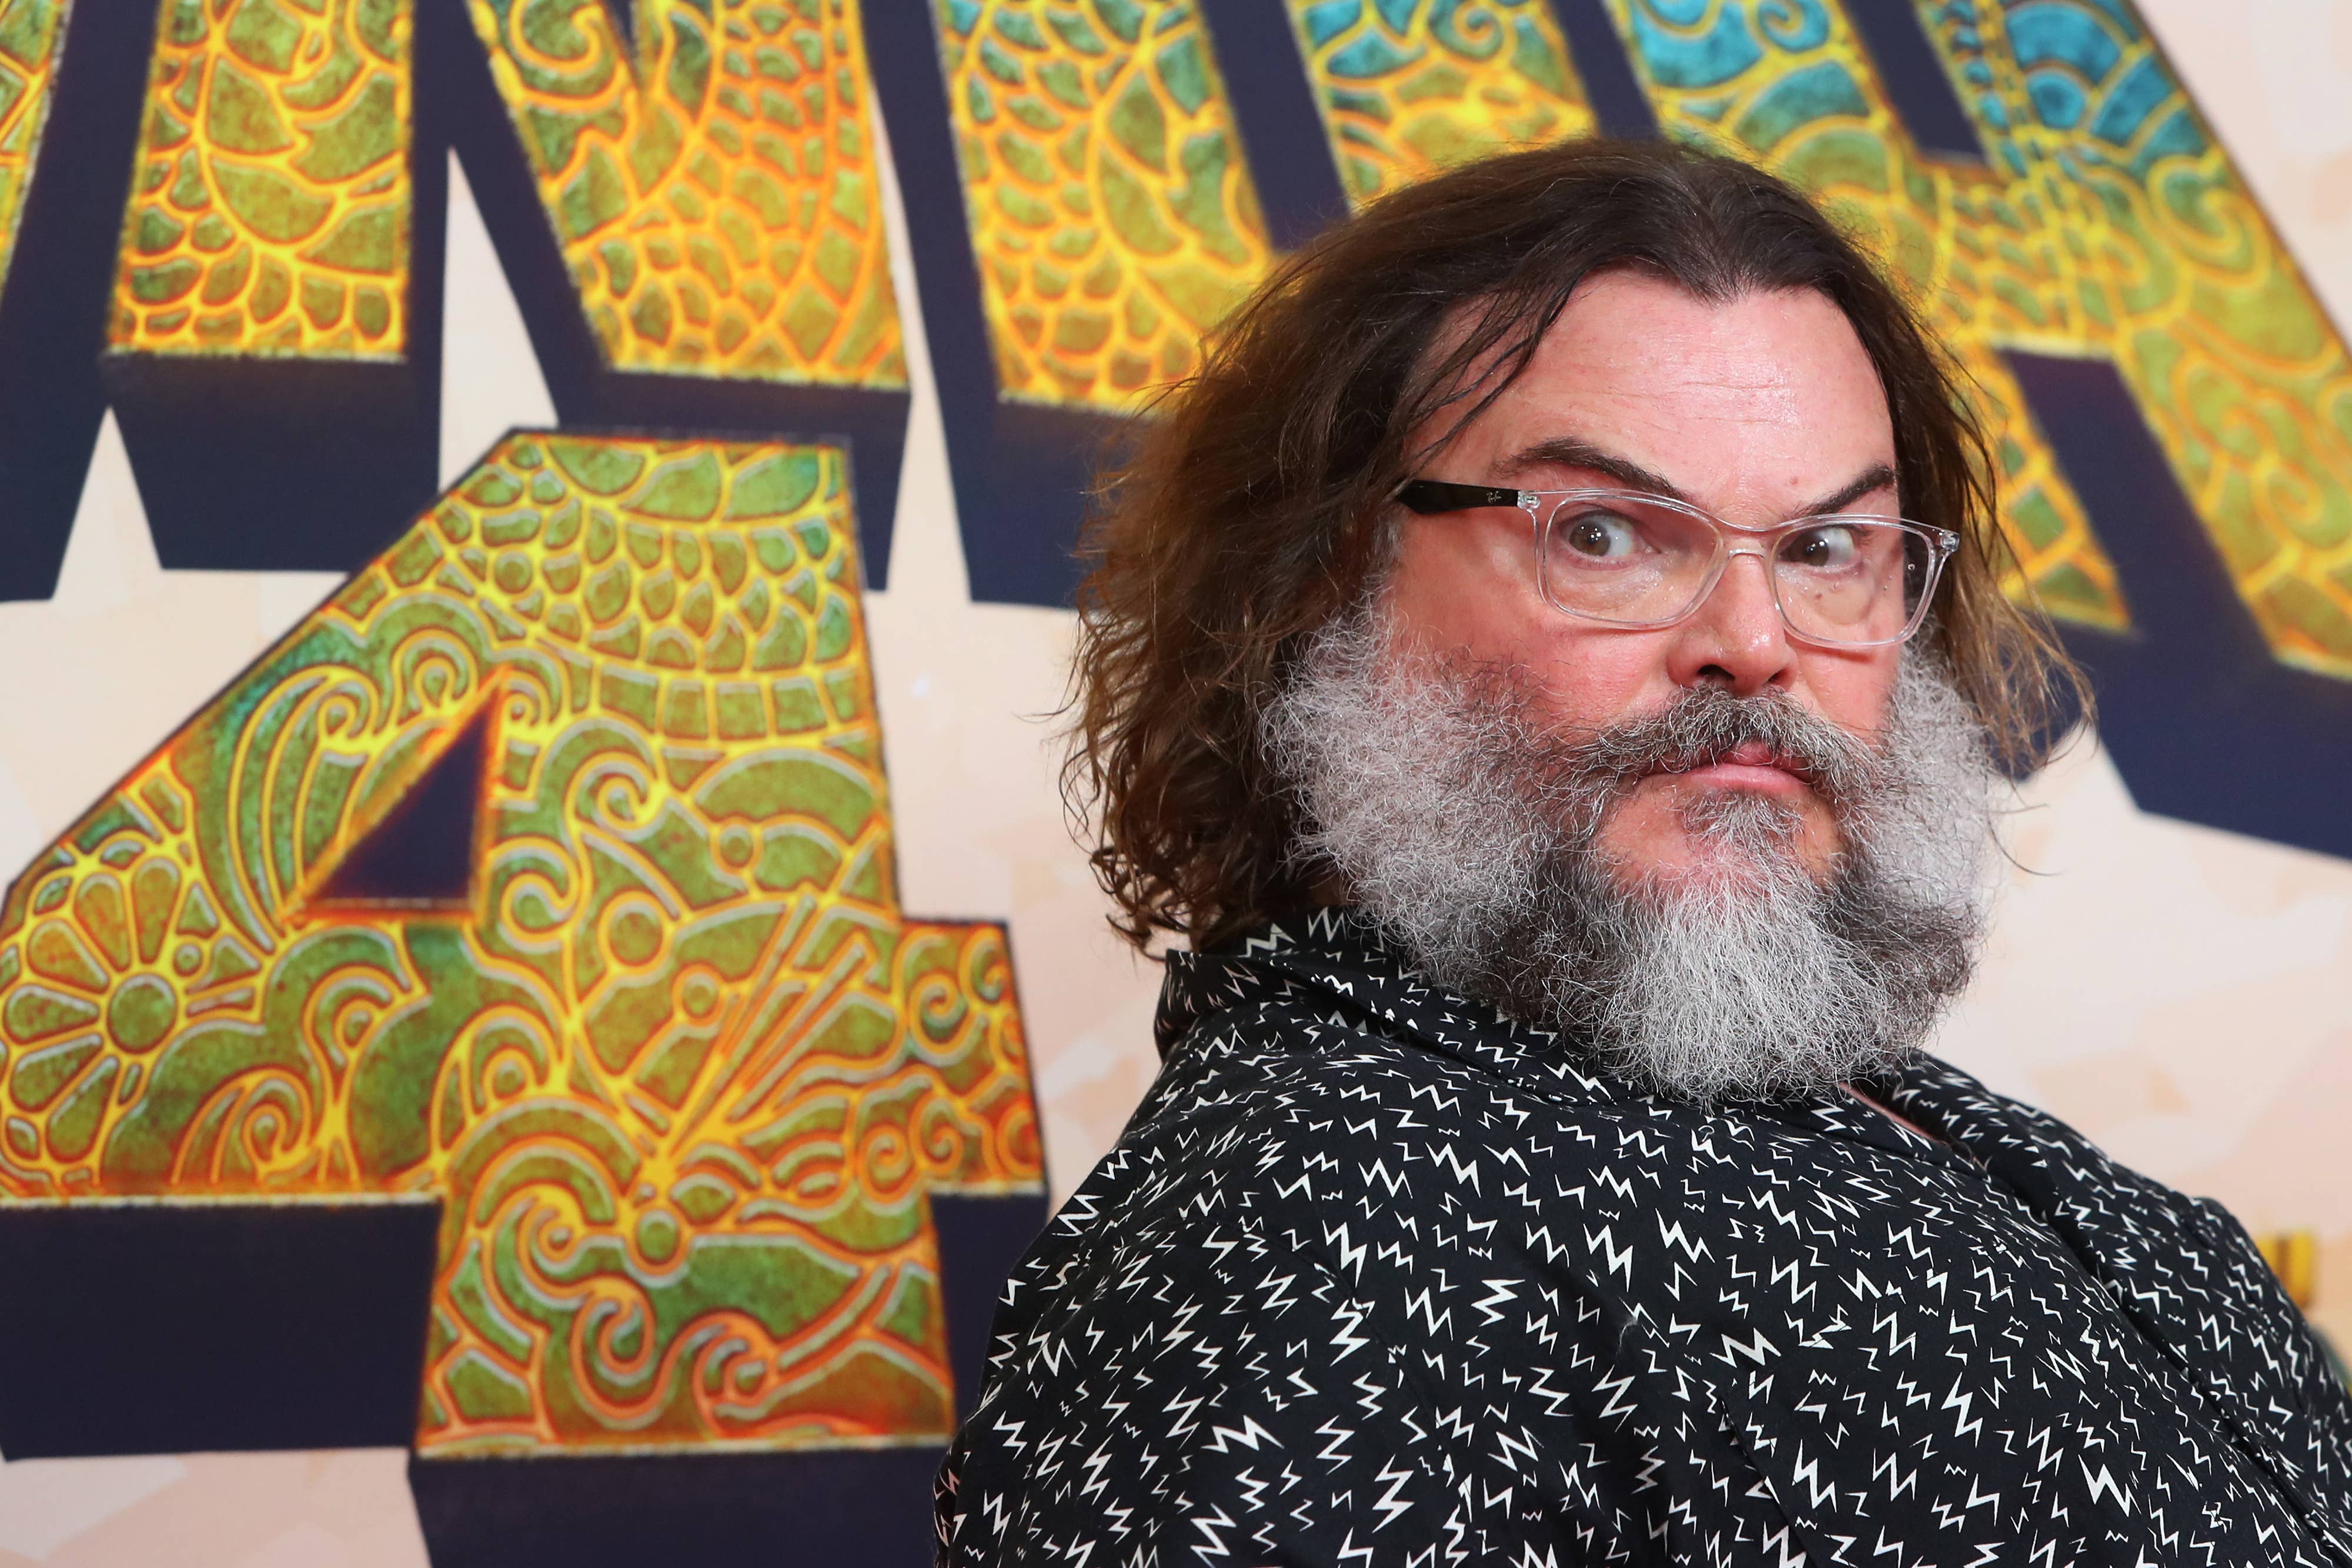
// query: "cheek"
[[1852, 690], [1469, 589], [1597, 677], [1466, 585]]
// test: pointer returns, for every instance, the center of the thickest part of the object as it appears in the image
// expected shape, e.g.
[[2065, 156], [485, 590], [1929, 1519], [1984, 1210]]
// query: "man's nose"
[[1735, 638]]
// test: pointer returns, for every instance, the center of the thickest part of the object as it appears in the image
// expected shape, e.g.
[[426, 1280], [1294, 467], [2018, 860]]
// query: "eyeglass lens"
[[1639, 562]]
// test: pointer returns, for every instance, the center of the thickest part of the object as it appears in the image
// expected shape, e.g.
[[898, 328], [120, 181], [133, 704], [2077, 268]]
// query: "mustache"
[[1587, 772]]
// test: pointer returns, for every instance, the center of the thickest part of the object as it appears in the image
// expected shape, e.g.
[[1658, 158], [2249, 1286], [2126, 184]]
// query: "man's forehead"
[[1647, 338], [1640, 384]]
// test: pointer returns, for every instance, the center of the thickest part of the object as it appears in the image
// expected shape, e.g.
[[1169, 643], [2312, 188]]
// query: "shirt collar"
[[1336, 959]]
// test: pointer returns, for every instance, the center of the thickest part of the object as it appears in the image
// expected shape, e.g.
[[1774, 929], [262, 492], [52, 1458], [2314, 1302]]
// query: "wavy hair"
[[1254, 504]]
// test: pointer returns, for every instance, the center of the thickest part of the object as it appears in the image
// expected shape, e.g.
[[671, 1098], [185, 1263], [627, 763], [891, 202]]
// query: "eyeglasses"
[[1641, 561]]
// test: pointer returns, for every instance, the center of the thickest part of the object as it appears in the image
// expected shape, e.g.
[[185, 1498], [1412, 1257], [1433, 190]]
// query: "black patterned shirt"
[[1377, 1276]]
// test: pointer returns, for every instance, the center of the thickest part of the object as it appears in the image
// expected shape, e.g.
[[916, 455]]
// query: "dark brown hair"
[[1254, 504]]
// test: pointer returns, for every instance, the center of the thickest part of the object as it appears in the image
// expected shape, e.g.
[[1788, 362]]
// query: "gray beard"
[[1469, 829]]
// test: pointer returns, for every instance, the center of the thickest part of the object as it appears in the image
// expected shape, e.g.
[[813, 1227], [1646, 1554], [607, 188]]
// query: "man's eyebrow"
[[1568, 452], [1877, 476]]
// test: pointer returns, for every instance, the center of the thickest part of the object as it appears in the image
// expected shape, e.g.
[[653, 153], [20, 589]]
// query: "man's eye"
[[1830, 549], [1600, 535]]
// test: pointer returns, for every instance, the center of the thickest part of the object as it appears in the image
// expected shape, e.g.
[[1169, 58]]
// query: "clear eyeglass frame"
[[1435, 497]]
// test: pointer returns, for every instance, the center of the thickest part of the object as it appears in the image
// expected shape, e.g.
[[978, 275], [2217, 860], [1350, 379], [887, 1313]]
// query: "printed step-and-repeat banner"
[[542, 935]]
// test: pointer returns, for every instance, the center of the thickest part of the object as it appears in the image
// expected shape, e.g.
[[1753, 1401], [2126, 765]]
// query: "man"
[[1552, 665]]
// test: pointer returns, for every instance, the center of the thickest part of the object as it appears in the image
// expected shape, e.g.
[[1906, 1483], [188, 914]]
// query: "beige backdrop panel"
[[2183, 995]]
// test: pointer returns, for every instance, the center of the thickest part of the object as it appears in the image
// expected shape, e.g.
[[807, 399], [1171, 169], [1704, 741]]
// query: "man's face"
[[1758, 410]]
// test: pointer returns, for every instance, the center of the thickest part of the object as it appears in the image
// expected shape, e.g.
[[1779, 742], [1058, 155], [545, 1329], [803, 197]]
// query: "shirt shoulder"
[[2183, 1267], [1293, 1103], [1280, 1317]]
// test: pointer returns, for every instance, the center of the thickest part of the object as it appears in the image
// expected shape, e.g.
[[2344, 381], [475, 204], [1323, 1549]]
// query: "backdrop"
[[548, 981]]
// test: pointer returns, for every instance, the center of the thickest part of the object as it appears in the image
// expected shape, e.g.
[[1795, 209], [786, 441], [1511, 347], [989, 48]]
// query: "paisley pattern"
[[1377, 1276], [713, 189], [1111, 214], [678, 1064], [31, 32], [269, 213], [2106, 220], [1409, 88]]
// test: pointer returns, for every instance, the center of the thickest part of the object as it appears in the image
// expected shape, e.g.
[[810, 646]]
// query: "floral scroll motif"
[[680, 1069]]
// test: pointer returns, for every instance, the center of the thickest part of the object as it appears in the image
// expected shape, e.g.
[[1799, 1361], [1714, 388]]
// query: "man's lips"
[[1751, 765]]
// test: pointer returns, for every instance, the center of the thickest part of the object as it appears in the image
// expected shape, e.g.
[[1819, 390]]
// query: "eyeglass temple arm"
[[1430, 497]]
